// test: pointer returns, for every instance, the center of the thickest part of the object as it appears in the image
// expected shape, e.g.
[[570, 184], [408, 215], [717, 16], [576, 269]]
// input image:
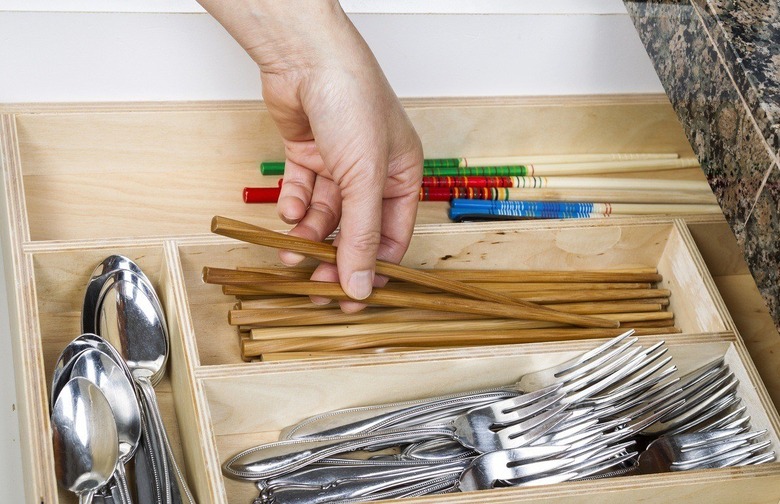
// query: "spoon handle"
[[152, 475], [121, 482], [156, 418], [86, 497]]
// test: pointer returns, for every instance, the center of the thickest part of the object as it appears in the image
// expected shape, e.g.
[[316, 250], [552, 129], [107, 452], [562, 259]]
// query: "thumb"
[[360, 233]]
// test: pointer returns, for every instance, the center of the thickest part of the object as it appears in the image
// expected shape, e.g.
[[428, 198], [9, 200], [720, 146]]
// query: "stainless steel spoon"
[[70, 353], [84, 438], [101, 370], [129, 318], [95, 285]]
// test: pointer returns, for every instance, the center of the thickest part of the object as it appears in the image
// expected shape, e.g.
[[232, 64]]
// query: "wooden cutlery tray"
[[83, 182]]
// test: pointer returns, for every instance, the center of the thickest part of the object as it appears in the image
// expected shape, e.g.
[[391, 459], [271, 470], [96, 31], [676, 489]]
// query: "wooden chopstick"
[[325, 252], [253, 348], [285, 356], [379, 315], [299, 303], [649, 275], [643, 275], [323, 289], [659, 319], [334, 315]]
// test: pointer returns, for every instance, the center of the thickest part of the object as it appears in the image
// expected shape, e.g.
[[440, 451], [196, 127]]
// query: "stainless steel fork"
[[614, 369], [517, 421]]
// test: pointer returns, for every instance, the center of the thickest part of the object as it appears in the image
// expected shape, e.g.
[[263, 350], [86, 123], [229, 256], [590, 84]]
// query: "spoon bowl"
[[128, 317], [71, 352], [108, 376], [94, 288], [84, 438]]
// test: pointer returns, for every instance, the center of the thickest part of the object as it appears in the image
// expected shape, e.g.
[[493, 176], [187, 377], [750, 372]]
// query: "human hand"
[[353, 157]]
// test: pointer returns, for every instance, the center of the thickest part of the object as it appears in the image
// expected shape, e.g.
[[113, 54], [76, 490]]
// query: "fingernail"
[[290, 258], [359, 286], [319, 300]]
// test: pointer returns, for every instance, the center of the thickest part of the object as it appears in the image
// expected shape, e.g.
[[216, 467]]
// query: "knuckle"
[[365, 242]]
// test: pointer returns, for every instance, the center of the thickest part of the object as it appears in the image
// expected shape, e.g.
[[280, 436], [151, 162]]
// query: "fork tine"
[[618, 370], [743, 423], [621, 433], [732, 420], [530, 398], [599, 438], [487, 470], [643, 394], [704, 374], [726, 459], [515, 437], [761, 458], [684, 387], [533, 381], [505, 413], [548, 480], [570, 365], [477, 437], [610, 458], [597, 458], [692, 420], [520, 472], [690, 413], [596, 471], [579, 432], [717, 389], [717, 437], [654, 396], [649, 356], [697, 439], [530, 453], [634, 386], [598, 454], [705, 454], [605, 368], [637, 425]]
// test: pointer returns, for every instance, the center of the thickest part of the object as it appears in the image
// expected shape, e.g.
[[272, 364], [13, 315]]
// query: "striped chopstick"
[[277, 167], [569, 195], [463, 209], [557, 169], [566, 182]]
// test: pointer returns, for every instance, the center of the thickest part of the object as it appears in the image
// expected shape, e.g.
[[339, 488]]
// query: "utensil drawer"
[[85, 181]]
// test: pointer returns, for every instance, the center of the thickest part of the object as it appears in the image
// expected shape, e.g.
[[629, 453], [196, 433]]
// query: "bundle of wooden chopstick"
[[425, 309]]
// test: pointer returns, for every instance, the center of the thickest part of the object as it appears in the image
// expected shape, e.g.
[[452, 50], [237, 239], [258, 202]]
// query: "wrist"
[[288, 35]]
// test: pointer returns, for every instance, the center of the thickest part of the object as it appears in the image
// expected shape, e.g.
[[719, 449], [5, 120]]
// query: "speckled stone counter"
[[719, 61]]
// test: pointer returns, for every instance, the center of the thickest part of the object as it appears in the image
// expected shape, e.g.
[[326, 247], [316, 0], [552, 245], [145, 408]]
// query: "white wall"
[[47, 56], [374, 6]]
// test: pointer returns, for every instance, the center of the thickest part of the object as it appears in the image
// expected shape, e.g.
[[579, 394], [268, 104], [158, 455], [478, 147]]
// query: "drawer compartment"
[[568, 246], [250, 407]]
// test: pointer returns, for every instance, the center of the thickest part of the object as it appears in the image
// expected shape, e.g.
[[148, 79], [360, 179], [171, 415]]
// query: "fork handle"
[[352, 421], [274, 459]]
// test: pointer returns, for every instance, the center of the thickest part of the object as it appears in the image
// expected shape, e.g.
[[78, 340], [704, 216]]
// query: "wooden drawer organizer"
[[83, 182]]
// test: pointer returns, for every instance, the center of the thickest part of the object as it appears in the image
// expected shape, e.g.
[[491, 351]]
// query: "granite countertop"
[[719, 62]]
